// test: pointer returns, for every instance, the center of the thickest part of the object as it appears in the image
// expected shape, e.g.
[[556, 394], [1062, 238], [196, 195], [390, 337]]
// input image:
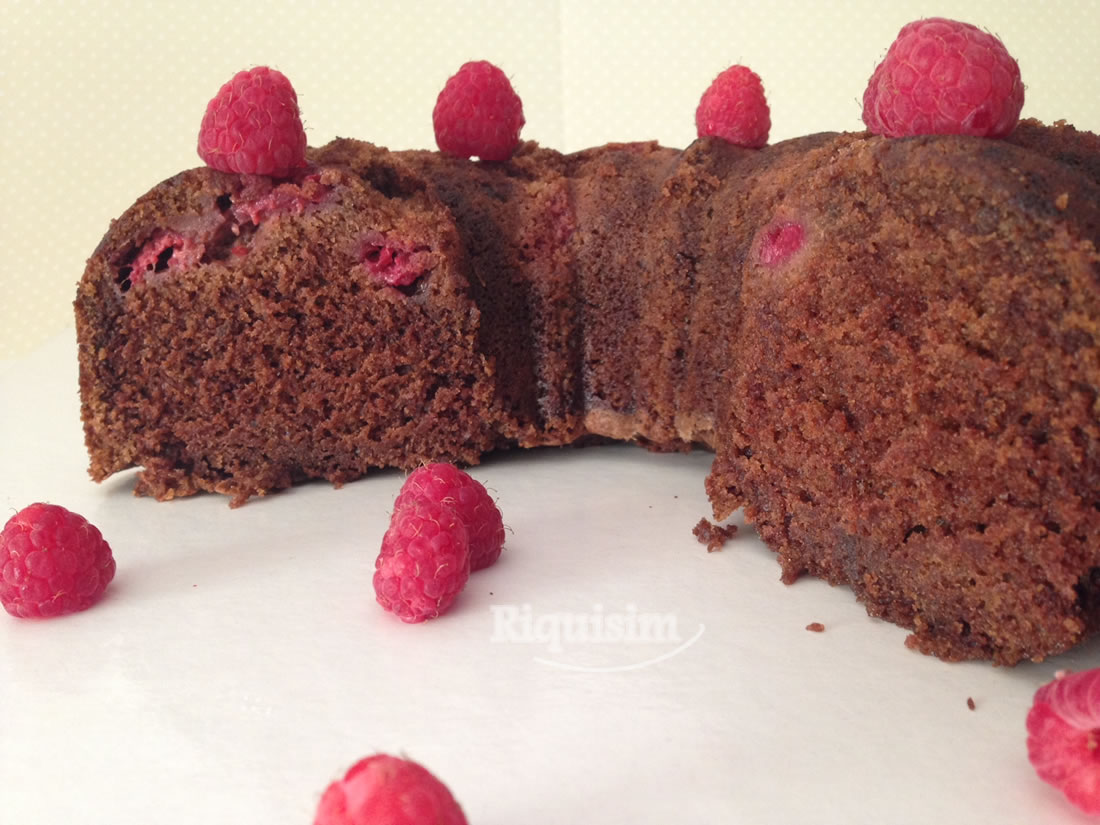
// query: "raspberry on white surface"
[[52, 562], [424, 562], [388, 790], [1063, 737], [475, 508]]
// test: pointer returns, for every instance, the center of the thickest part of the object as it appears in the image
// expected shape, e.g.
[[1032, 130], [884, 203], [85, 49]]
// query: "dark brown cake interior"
[[283, 359]]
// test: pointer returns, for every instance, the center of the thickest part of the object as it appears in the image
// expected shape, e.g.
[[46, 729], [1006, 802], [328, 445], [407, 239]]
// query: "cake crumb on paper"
[[816, 627], [970, 703], [712, 535]]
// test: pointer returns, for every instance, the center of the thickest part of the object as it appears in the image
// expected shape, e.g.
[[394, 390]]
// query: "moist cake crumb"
[[714, 536]]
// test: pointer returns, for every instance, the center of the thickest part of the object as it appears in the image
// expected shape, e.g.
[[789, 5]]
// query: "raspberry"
[[943, 77], [779, 241], [734, 109], [470, 501], [870, 99], [1063, 737], [166, 250], [252, 126], [52, 562], [393, 261], [424, 562], [385, 789], [478, 114], [259, 203]]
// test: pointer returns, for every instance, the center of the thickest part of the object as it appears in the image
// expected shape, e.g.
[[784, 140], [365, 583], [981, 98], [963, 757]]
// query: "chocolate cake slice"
[[890, 345], [237, 335]]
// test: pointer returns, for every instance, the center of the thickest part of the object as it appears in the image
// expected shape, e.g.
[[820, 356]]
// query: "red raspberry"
[[478, 114], [393, 261], [52, 562], [943, 77], [472, 504], [734, 109], [424, 562], [870, 99], [252, 126], [165, 251], [780, 240], [385, 790], [1063, 737]]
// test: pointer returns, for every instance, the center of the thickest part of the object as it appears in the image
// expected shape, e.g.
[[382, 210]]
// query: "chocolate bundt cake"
[[892, 346]]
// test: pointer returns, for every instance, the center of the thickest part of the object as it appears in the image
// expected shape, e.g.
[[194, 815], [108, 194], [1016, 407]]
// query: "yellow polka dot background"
[[99, 101]]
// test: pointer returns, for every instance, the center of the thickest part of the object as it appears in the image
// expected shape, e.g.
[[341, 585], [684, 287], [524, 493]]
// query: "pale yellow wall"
[[101, 100]]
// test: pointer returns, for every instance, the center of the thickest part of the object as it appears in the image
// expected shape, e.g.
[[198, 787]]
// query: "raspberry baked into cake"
[[890, 343]]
